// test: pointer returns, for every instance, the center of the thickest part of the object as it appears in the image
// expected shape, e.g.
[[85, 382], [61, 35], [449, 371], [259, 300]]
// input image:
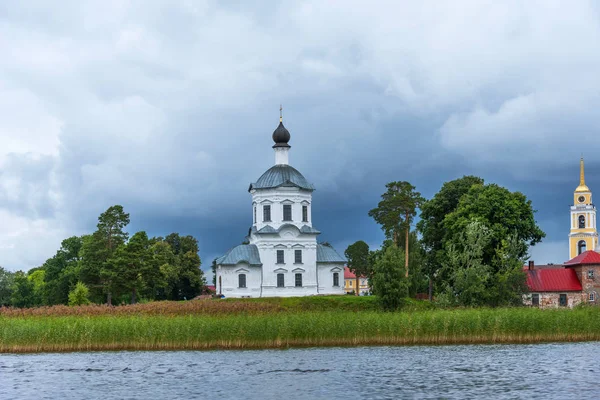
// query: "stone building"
[[281, 256], [566, 285], [552, 286], [587, 268]]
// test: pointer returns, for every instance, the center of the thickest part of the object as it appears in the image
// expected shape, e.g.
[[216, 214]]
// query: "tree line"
[[109, 267], [467, 249]]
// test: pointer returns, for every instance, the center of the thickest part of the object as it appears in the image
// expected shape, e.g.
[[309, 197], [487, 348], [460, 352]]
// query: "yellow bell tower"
[[583, 235]]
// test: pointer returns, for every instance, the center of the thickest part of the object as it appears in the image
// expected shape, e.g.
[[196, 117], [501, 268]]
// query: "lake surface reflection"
[[503, 371]]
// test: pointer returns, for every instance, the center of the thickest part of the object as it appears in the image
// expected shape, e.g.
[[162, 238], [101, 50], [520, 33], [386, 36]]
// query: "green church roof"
[[281, 175], [327, 254], [247, 253]]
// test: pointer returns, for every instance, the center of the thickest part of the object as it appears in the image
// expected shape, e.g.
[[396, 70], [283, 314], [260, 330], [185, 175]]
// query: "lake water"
[[502, 371]]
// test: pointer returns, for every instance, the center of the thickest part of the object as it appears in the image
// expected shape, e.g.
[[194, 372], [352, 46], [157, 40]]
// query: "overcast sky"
[[167, 107]]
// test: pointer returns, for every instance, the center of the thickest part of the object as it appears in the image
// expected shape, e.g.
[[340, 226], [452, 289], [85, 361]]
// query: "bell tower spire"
[[581, 173], [582, 186]]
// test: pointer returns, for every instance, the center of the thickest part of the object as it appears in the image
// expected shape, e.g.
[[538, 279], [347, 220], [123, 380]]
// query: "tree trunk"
[[430, 288], [406, 247], [109, 298], [133, 293], [357, 286], [396, 238]]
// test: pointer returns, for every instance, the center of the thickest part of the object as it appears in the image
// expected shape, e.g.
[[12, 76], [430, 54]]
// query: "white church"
[[282, 257]]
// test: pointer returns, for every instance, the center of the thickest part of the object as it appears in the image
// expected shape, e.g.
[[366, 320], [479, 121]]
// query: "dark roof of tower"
[[281, 175], [281, 136]]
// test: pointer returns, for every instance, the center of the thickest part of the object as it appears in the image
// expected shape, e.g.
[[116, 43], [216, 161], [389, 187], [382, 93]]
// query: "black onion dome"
[[281, 136]]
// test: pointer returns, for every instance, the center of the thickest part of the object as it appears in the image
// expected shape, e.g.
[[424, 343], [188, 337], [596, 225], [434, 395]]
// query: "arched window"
[[242, 280], [581, 247], [581, 222], [336, 279]]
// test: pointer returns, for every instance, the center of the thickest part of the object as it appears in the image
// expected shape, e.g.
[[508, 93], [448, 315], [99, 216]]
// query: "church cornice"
[[583, 207], [583, 234]]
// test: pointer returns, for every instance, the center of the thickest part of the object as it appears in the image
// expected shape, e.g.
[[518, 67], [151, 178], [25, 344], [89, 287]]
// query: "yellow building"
[[350, 283], [583, 235]]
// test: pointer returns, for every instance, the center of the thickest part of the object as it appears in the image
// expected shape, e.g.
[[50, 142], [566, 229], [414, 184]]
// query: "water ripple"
[[545, 371]]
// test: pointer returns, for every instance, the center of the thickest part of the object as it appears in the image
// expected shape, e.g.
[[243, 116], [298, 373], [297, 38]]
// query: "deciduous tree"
[[190, 278], [389, 281], [357, 255], [22, 291], [6, 286], [431, 224], [36, 277], [471, 279], [503, 212], [62, 271]]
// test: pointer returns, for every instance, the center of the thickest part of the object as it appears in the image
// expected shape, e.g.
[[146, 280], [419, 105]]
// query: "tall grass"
[[293, 329]]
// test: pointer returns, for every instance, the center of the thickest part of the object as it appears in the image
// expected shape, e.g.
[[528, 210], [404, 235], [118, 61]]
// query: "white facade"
[[281, 257]]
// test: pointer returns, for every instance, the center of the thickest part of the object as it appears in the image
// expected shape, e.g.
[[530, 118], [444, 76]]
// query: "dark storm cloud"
[[168, 107], [26, 186]]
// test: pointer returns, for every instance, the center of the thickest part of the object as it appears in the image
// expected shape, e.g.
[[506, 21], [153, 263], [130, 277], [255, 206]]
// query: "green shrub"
[[79, 296]]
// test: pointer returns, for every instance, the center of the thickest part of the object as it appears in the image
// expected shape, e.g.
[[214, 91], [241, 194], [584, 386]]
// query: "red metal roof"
[[553, 280], [587, 257], [349, 274]]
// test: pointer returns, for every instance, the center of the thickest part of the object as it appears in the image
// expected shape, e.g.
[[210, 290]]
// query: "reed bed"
[[295, 329], [164, 308], [204, 307]]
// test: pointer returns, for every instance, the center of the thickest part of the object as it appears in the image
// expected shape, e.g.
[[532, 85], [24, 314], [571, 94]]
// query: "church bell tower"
[[583, 235]]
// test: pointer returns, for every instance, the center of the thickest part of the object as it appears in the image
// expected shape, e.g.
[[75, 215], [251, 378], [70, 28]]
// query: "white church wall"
[[289, 240], [326, 271], [229, 275], [275, 198]]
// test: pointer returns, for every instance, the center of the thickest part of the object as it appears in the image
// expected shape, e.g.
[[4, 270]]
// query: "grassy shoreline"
[[294, 328]]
